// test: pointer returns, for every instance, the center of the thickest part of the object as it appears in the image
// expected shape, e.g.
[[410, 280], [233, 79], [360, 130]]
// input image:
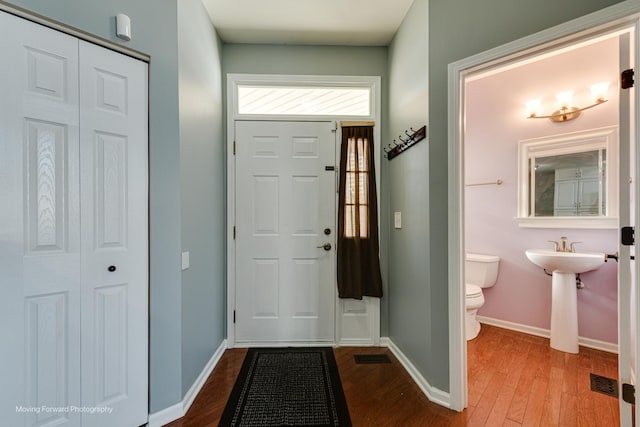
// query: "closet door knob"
[[112, 268]]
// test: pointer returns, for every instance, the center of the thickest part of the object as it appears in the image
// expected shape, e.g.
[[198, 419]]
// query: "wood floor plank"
[[520, 355], [498, 415], [586, 416], [568, 411], [488, 400], [570, 378], [551, 410], [521, 398], [535, 404], [514, 380]]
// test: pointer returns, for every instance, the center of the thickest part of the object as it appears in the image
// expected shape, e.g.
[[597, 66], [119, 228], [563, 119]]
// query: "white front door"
[[285, 232], [73, 203]]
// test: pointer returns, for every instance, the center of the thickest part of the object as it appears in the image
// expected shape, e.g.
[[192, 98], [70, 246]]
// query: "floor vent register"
[[604, 385], [371, 358]]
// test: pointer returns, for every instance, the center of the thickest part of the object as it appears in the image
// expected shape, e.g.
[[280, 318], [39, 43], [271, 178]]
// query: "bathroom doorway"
[[477, 82]]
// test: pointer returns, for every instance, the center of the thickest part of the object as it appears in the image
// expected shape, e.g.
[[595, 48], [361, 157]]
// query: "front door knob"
[[326, 246]]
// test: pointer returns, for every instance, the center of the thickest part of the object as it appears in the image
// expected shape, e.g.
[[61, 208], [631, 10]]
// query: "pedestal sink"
[[564, 298]]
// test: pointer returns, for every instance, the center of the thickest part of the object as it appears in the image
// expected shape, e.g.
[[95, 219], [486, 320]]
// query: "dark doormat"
[[371, 358], [287, 387]]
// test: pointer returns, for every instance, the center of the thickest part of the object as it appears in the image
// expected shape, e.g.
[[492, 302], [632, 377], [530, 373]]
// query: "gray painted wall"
[[310, 60], [408, 192], [202, 168], [321, 60], [459, 29]]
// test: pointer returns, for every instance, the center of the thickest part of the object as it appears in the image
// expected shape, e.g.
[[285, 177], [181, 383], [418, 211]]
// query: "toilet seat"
[[474, 299]]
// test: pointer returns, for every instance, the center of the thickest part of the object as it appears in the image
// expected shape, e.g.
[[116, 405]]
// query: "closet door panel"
[[114, 234], [39, 226]]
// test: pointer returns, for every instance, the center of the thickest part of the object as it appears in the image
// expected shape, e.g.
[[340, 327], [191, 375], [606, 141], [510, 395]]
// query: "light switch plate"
[[185, 260], [397, 219]]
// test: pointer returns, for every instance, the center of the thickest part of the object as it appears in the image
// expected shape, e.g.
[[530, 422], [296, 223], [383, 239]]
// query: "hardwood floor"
[[514, 380], [517, 379]]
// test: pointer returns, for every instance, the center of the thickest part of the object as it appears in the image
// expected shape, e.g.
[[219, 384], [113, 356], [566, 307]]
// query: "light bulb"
[[533, 107], [564, 98], [599, 91]]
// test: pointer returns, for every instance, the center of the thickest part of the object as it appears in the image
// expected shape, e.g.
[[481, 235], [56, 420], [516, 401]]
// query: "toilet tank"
[[481, 270]]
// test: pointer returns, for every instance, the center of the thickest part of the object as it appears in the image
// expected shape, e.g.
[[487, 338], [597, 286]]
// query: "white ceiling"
[[323, 22]]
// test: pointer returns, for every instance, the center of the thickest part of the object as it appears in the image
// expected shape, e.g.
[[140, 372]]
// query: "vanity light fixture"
[[566, 111]]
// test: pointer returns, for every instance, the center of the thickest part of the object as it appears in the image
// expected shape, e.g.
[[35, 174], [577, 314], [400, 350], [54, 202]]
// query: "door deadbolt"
[[326, 247], [112, 268], [327, 231]]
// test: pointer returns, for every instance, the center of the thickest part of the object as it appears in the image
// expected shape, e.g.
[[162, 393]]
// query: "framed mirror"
[[569, 180]]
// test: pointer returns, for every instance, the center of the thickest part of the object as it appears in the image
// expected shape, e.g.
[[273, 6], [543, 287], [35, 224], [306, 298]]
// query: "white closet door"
[[39, 226], [73, 202], [113, 147]]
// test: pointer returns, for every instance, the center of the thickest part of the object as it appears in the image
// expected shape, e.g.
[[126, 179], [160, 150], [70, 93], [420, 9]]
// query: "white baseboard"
[[546, 333], [167, 415], [190, 396], [249, 344], [433, 394], [178, 410], [356, 342]]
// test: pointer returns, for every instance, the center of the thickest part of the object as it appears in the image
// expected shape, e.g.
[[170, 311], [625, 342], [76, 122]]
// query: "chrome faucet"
[[562, 246]]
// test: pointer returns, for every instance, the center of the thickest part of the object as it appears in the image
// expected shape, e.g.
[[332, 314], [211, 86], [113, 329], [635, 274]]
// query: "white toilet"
[[481, 271]]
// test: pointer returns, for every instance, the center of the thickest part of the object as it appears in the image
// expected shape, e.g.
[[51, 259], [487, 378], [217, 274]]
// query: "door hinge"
[[626, 79], [629, 393], [234, 316], [234, 232], [627, 236], [234, 148]]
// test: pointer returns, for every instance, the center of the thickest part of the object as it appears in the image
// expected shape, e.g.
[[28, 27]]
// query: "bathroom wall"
[[496, 121]]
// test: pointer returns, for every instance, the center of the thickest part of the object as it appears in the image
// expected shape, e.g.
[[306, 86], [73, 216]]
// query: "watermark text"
[[70, 409]]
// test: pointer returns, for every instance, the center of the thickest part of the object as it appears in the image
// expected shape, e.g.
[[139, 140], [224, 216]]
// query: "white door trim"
[[619, 16], [233, 80]]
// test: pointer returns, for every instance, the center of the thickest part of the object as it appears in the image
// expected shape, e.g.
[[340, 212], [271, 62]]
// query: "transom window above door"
[[282, 97], [306, 101]]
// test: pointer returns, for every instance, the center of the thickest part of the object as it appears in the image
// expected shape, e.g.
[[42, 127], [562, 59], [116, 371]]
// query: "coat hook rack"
[[410, 140]]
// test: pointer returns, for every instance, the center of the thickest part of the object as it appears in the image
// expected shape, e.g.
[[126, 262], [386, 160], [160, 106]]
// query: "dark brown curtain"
[[358, 247]]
